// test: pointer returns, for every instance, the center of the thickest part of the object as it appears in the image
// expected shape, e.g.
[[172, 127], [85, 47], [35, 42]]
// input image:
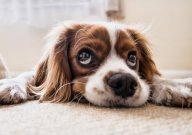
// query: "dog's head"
[[108, 64]]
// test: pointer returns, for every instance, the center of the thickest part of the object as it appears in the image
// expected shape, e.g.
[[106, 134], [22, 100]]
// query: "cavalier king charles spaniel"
[[106, 64]]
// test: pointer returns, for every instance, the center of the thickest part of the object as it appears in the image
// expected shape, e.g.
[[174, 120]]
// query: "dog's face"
[[108, 64]]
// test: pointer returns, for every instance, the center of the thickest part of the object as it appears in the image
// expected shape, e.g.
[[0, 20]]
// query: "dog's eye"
[[85, 57], [132, 59]]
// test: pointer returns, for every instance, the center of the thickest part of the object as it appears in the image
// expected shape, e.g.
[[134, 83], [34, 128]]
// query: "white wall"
[[21, 46], [171, 35], [171, 31]]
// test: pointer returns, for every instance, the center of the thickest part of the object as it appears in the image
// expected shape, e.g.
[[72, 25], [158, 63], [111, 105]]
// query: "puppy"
[[106, 64]]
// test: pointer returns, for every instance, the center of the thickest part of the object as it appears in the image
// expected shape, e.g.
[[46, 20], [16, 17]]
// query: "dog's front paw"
[[172, 93], [12, 92]]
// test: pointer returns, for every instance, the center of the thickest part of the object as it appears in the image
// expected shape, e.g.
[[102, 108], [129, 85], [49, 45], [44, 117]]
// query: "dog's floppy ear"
[[147, 66], [53, 75]]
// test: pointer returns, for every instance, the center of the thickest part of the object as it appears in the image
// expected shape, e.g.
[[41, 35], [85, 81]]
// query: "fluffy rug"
[[33, 118]]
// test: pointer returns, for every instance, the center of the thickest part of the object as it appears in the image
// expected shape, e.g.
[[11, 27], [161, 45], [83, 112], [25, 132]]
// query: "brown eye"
[[85, 57], [132, 59]]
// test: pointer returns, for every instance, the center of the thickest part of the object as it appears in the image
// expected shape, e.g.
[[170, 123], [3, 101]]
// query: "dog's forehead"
[[113, 31]]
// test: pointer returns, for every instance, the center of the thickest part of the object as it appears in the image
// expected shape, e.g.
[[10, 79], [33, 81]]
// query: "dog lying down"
[[106, 64]]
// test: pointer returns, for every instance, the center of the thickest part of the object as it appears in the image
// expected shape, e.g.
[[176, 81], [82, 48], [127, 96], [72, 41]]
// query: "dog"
[[106, 64]]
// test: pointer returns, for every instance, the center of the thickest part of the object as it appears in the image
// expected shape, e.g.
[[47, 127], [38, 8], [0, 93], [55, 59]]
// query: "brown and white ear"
[[53, 75], [147, 66]]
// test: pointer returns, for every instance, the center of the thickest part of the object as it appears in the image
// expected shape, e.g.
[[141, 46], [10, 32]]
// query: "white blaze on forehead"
[[112, 30]]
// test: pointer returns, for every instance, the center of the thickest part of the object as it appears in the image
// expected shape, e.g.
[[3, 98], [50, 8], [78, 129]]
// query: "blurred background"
[[24, 23]]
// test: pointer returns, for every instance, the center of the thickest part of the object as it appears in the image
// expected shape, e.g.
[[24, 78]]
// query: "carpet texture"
[[33, 118]]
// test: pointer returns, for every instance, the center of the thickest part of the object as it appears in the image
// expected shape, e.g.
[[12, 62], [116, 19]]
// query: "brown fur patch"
[[124, 45], [95, 38], [79, 84], [78, 87]]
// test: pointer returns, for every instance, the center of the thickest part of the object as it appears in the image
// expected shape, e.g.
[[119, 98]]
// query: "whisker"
[[78, 82], [70, 84], [182, 103], [60, 88], [80, 99], [55, 94], [76, 96]]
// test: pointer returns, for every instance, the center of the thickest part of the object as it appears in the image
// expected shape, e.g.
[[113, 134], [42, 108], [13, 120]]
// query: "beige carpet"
[[33, 118]]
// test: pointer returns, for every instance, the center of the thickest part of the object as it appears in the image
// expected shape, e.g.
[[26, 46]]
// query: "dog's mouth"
[[107, 98], [111, 103], [78, 98]]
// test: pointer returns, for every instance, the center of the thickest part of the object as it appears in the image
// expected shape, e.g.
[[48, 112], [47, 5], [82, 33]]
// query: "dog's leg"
[[175, 92], [14, 90]]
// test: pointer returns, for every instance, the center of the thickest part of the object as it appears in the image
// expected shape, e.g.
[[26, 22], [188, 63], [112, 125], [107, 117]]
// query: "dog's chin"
[[116, 101], [108, 99]]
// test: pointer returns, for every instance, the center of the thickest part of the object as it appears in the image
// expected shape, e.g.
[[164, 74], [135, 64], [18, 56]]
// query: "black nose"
[[122, 84]]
